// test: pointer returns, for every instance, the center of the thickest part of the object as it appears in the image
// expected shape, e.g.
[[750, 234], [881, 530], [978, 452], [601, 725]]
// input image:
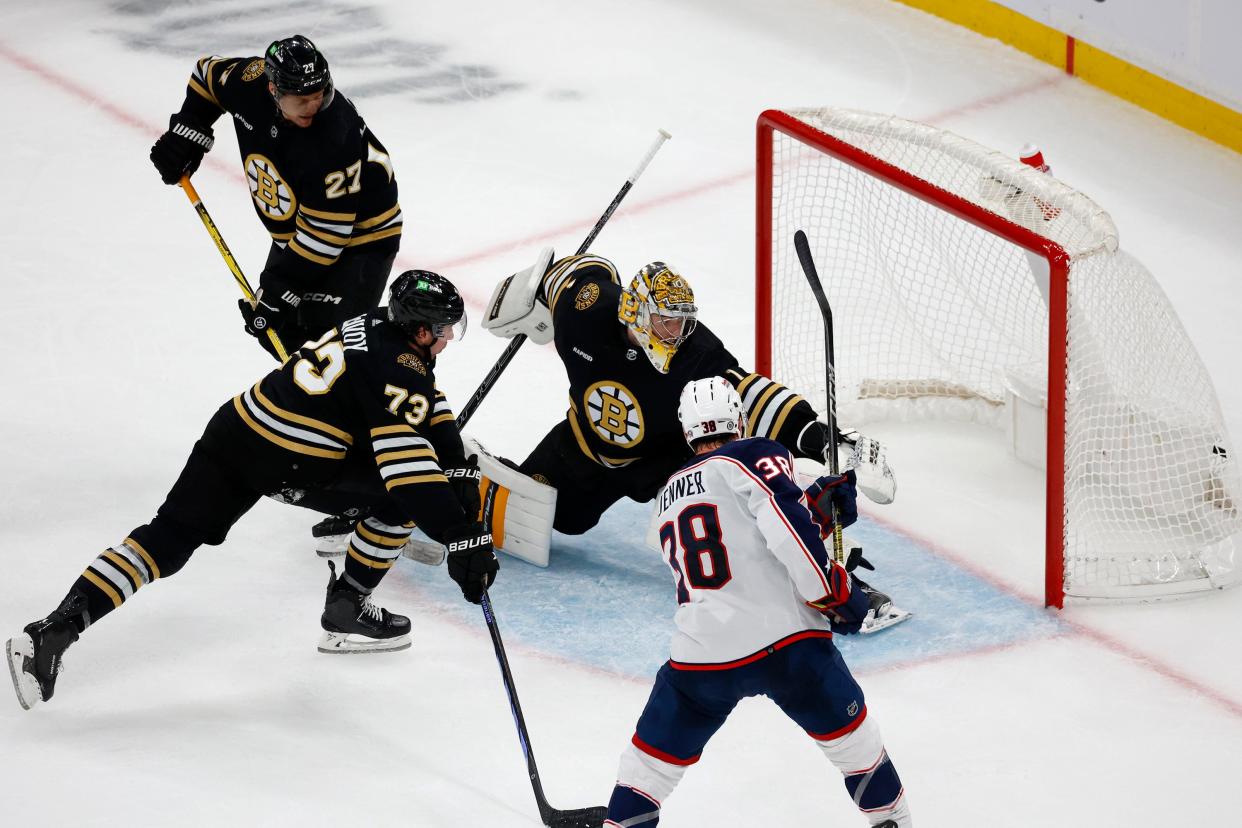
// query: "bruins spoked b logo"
[[270, 192], [614, 414]]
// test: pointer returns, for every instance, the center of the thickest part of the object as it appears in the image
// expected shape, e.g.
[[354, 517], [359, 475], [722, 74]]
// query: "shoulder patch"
[[253, 70], [413, 362], [586, 296]]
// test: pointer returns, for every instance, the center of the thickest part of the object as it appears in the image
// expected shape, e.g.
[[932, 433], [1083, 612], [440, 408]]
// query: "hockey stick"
[[511, 350], [812, 276], [192, 194], [552, 817]]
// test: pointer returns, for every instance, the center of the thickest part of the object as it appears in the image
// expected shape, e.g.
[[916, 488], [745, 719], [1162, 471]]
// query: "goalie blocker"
[[518, 509]]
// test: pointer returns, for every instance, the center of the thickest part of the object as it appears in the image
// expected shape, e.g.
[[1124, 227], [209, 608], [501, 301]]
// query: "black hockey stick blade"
[[812, 275], [576, 818]]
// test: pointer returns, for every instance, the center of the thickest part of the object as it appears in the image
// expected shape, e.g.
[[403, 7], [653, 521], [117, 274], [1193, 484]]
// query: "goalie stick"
[[812, 276], [552, 817], [467, 410]]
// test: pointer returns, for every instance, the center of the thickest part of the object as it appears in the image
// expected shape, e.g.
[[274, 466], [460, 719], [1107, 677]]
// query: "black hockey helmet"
[[296, 67], [422, 299]]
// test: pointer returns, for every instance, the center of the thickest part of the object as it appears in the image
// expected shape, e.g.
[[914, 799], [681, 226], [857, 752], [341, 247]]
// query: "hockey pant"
[[806, 678], [352, 285], [584, 488], [223, 478]]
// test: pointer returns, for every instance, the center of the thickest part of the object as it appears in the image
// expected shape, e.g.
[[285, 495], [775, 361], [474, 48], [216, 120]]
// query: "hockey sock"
[[629, 806], [870, 778], [373, 549], [111, 579]]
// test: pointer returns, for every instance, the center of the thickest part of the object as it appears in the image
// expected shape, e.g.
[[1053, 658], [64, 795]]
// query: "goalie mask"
[[658, 309], [710, 409]]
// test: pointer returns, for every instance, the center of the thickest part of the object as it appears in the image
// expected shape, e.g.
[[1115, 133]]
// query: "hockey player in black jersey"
[[628, 352], [320, 180], [366, 388]]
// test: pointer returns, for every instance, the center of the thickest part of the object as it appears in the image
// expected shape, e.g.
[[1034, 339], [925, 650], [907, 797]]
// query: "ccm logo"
[[470, 543], [322, 297]]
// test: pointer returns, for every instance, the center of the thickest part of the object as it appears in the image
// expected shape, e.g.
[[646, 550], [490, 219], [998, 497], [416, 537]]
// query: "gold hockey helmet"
[[658, 308]]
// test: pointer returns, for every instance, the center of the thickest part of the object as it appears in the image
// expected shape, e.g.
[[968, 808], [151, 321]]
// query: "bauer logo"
[[500, 298], [470, 543]]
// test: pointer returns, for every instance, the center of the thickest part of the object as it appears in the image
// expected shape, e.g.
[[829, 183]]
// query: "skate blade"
[[17, 650], [334, 643], [431, 554], [331, 546], [890, 616]]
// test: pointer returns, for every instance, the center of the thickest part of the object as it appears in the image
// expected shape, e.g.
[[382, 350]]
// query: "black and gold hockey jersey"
[[620, 407], [361, 389], [319, 190]]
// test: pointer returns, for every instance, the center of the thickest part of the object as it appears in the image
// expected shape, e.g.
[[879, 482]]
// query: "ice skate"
[[35, 658], [332, 535], [353, 624], [883, 613]]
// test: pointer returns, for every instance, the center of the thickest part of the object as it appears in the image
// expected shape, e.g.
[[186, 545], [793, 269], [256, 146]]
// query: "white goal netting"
[[942, 259]]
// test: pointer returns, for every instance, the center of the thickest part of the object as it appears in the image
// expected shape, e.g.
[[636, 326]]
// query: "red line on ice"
[[82, 93]]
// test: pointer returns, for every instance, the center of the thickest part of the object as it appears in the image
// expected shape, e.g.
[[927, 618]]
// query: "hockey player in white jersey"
[[759, 601]]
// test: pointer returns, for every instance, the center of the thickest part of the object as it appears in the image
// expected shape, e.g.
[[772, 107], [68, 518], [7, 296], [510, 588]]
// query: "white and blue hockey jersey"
[[746, 557]]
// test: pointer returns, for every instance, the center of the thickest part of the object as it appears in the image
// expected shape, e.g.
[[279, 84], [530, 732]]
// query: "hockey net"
[[957, 275]]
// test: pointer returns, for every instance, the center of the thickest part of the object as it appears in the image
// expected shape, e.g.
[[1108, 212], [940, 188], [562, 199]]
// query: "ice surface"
[[512, 125]]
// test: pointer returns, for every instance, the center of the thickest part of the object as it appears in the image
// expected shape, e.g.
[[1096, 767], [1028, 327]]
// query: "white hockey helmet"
[[710, 409], [658, 308]]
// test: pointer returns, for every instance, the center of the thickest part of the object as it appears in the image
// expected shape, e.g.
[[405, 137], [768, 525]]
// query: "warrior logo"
[[271, 194], [614, 414]]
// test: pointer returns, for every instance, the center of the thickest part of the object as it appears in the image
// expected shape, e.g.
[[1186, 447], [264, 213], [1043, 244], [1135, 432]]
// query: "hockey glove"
[[180, 150], [274, 309], [471, 560], [828, 492], [847, 606], [464, 477]]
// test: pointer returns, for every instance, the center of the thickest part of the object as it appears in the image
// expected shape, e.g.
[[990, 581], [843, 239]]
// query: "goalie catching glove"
[[866, 457], [515, 307]]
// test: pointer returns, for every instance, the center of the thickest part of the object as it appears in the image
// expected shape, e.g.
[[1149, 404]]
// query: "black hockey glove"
[[180, 150], [464, 477], [471, 560], [828, 491], [276, 309]]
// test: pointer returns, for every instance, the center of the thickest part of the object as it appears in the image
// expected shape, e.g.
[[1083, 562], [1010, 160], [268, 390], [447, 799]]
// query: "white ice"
[[511, 125]]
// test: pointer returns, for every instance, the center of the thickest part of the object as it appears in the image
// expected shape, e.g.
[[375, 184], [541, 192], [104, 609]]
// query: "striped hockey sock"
[[112, 578], [373, 549]]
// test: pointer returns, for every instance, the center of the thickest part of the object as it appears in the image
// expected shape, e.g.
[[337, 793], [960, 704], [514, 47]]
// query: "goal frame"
[[771, 121]]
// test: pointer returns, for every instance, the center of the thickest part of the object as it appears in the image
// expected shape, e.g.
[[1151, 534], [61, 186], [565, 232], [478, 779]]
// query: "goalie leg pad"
[[518, 509]]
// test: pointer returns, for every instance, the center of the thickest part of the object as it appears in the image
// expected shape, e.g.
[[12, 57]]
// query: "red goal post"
[[966, 285]]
